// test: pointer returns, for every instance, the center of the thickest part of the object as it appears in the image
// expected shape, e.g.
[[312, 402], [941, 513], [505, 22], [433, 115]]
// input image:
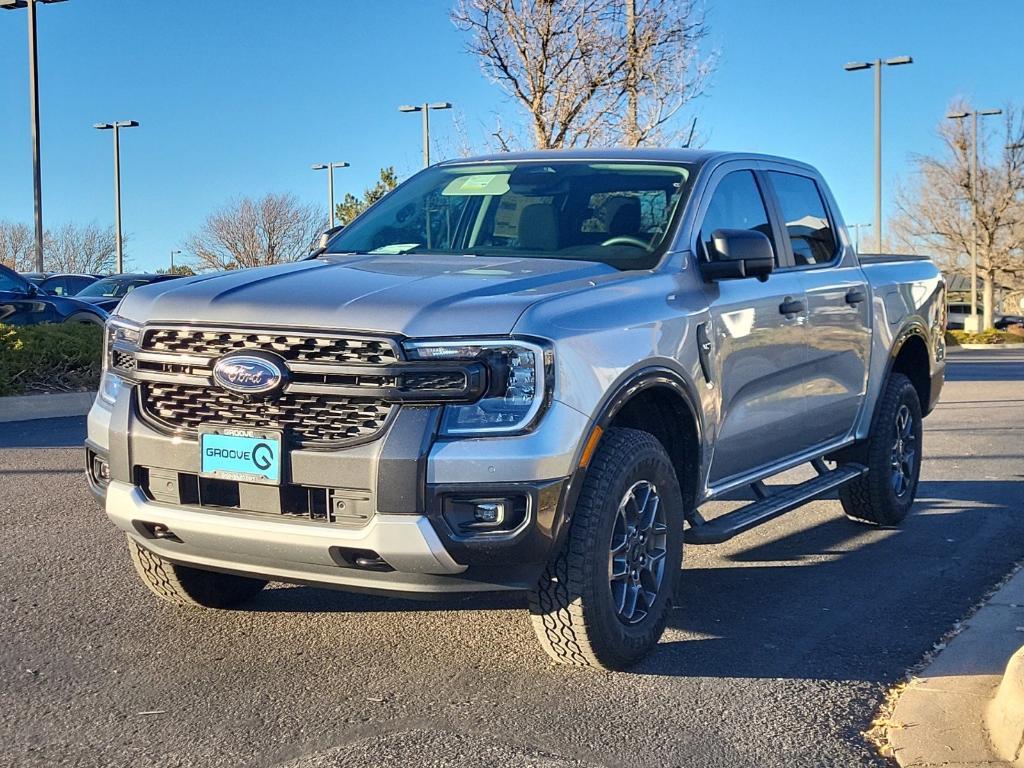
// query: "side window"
[[807, 224], [736, 204]]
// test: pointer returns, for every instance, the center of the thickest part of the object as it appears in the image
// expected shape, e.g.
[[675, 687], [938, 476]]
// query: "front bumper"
[[402, 482]]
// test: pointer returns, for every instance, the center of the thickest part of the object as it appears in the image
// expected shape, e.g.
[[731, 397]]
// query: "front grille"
[[338, 388], [308, 418], [297, 347]]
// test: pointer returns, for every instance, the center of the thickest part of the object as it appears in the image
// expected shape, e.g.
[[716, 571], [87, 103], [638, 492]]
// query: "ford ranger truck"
[[520, 372]]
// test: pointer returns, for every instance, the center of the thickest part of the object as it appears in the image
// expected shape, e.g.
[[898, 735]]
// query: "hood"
[[412, 295]]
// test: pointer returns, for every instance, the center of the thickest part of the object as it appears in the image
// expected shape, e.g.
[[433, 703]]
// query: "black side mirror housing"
[[739, 253], [320, 243]]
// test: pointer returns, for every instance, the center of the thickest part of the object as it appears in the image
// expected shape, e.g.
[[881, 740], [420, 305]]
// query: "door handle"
[[792, 306], [855, 296]]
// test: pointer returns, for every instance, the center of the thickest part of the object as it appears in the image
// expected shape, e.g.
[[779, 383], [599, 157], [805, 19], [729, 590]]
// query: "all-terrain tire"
[[879, 497], [573, 608], [181, 585]]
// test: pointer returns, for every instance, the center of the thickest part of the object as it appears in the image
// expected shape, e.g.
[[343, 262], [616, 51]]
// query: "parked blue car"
[[22, 303]]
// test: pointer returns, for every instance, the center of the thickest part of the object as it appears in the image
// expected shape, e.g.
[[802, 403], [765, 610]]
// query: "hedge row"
[[50, 358], [956, 338]]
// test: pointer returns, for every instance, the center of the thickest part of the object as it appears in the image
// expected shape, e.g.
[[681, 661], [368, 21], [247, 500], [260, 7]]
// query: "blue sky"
[[239, 97]]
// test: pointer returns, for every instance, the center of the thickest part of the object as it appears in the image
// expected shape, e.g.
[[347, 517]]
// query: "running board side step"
[[769, 506]]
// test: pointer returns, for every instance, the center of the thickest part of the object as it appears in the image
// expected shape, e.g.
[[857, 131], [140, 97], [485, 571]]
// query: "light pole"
[[33, 88], [877, 64], [116, 127], [172, 258], [973, 114], [329, 167], [425, 109], [856, 240]]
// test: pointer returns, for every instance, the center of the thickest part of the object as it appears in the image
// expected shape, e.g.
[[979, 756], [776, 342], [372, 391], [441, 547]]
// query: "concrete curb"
[[988, 346], [1005, 714], [48, 406], [941, 717]]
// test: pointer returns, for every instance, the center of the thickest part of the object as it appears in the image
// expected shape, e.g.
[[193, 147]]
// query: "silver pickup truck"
[[520, 372]]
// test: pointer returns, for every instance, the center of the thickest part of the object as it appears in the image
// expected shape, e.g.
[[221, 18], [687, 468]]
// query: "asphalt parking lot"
[[782, 645]]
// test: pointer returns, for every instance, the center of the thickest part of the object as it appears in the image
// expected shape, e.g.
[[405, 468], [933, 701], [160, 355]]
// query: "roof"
[[649, 154]]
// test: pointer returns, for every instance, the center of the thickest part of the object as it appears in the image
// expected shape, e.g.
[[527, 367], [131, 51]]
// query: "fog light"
[[100, 471], [491, 512]]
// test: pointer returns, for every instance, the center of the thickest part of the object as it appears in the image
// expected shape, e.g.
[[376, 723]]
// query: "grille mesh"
[[310, 418], [290, 346]]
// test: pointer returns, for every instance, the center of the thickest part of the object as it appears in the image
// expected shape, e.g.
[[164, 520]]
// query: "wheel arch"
[[910, 356], [660, 401]]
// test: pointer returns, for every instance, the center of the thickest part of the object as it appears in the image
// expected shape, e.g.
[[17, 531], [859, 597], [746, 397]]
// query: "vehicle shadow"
[[835, 601], [68, 432], [845, 601]]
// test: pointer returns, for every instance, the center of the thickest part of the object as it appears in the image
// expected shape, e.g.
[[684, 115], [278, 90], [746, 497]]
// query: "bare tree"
[[72, 248], [254, 233], [16, 240], [591, 71], [936, 210]]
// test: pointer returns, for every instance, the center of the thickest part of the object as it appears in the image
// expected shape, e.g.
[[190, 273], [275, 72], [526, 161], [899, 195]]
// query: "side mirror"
[[320, 242], [739, 253]]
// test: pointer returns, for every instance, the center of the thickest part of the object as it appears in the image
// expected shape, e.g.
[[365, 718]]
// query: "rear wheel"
[[604, 598], [86, 318], [892, 455], [182, 585]]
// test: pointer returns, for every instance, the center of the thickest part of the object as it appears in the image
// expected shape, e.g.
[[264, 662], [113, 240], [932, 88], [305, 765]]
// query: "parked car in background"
[[60, 284], [24, 303], [108, 292], [1006, 321]]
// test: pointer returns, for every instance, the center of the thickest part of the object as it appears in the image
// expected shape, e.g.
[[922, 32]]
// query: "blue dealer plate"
[[253, 457]]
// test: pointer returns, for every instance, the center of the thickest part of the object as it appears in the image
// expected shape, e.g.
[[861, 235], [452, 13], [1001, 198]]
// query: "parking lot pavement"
[[782, 646]]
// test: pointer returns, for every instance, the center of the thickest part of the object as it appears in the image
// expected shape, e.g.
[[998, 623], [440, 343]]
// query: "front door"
[[758, 333]]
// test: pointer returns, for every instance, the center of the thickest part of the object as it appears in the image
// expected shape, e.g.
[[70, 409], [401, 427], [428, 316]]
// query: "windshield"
[[111, 288], [619, 213]]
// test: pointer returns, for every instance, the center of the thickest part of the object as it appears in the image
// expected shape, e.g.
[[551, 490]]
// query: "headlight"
[[110, 386], [519, 383]]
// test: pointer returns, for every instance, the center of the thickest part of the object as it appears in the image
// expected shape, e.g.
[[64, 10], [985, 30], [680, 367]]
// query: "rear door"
[[838, 311], [759, 351]]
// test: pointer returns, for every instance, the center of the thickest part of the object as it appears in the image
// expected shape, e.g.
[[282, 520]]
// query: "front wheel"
[[892, 454], [182, 585], [604, 598]]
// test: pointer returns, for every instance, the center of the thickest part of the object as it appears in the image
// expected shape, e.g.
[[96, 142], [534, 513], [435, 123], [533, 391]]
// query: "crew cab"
[[526, 371]]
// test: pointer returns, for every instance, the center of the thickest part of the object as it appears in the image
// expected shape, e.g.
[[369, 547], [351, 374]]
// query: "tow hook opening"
[[156, 531], [363, 559]]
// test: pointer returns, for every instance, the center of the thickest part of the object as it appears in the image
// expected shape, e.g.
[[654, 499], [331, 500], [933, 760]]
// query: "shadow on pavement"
[[44, 433], [837, 601]]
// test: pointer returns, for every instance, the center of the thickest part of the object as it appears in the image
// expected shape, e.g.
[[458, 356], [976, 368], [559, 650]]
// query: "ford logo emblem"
[[248, 374]]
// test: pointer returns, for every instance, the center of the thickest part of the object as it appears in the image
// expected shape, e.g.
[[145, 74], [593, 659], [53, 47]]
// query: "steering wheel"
[[626, 240]]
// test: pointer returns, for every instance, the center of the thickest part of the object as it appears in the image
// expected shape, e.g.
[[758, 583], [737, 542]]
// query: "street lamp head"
[[339, 165], [10, 5], [102, 126], [318, 167], [441, 105], [957, 115], [853, 66], [409, 108], [127, 124], [897, 60], [990, 111]]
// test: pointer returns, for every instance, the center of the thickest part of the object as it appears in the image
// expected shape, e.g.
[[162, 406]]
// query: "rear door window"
[[805, 218]]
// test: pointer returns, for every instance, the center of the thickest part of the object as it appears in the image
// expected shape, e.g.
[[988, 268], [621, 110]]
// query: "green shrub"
[[50, 358], [955, 338]]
